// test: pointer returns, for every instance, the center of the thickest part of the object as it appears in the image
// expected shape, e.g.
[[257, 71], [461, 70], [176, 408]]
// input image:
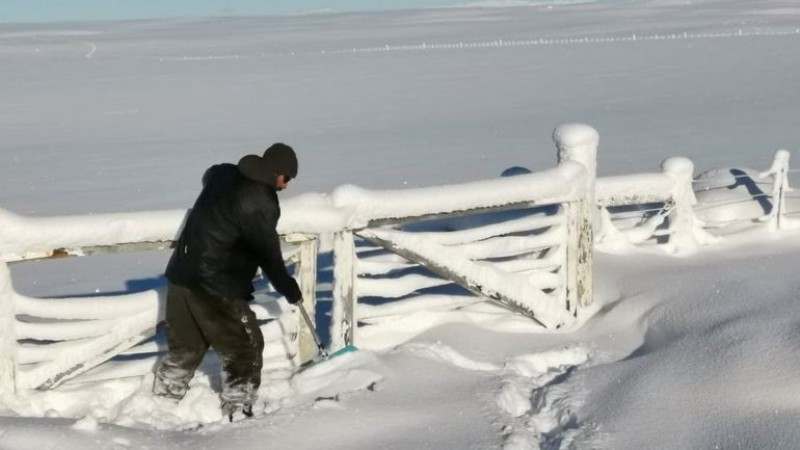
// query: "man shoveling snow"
[[229, 233]]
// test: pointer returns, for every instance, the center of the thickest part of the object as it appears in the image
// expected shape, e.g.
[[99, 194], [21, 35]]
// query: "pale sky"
[[86, 10]]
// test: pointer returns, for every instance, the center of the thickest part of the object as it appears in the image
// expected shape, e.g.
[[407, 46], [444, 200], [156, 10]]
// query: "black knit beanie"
[[282, 158], [278, 159]]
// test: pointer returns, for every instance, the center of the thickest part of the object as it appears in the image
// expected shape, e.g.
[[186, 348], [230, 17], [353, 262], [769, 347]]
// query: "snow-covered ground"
[[696, 352]]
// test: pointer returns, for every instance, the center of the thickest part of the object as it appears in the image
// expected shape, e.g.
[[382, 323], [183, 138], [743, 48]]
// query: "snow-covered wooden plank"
[[343, 322], [67, 331], [397, 287], [551, 262], [508, 246], [578, 256], [115, 370], [8, 340], [277, 355], [307, 270], [36, 237], [71, 363], [577, 143], [416, 304], [377, 267], [373, 208], [92, 250], [482, 232], [635, 189], [90, 308], [512, 291]]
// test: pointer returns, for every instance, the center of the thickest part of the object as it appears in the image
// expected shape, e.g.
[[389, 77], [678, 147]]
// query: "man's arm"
[[262, 233]]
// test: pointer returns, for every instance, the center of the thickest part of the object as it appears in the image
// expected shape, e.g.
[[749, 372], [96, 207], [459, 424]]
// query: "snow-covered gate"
[[523, 242], [46, 342]]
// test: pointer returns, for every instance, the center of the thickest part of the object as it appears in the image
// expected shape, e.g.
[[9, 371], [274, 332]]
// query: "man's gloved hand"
[[294, 296]]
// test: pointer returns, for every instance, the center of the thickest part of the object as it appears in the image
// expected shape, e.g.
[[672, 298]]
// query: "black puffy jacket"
[[228, 234]]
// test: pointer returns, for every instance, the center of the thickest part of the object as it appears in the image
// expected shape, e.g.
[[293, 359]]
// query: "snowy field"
[[696, 352]]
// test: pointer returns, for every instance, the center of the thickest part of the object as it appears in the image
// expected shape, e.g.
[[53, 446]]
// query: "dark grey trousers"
[[196, 321]]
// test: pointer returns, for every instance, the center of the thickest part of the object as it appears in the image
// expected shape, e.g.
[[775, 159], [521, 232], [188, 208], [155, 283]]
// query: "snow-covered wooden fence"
[[524, 242], [664, 205], [45, 342], [35, 335], [673, 194]]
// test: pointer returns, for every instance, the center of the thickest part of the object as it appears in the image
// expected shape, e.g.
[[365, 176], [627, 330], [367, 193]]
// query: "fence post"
[[578, 142], [344, 321], [307, 268], [8, 341], [685, 230], [780, 185]]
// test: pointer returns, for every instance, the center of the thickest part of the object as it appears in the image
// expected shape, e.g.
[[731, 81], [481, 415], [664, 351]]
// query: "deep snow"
[[691, 352]]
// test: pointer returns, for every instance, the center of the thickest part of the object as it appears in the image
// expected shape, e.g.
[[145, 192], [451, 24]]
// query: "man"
[[228, 234]]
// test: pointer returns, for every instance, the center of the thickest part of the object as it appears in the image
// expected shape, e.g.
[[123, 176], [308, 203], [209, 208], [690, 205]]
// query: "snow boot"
[[235, 411], [168, 388]]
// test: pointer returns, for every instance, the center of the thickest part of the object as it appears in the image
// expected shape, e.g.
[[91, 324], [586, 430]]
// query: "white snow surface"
[[696, 352]]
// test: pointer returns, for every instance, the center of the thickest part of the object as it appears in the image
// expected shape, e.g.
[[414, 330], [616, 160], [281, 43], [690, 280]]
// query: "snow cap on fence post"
[[8, 341], [679, 167], [578, 142]]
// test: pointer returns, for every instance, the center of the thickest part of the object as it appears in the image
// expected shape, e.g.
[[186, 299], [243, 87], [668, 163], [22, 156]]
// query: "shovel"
[[323, 354]]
